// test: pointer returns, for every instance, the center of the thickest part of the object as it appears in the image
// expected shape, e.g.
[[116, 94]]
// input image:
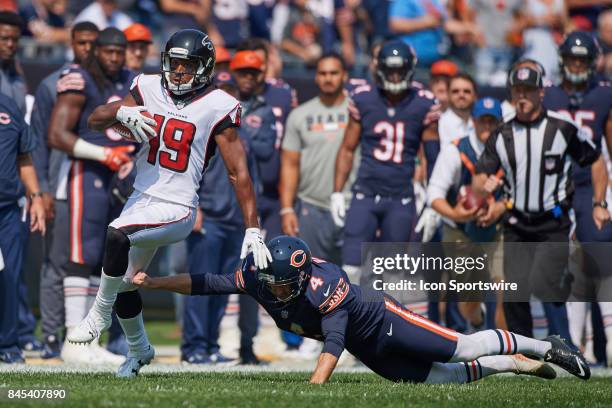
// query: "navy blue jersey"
[[589, 111], [332, 309], [84, 84], [282, 98], [14, 140], [390, 138]]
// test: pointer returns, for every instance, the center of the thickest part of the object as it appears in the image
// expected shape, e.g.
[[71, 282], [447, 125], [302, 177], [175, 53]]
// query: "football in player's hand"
[[126, 133], [470, 198]]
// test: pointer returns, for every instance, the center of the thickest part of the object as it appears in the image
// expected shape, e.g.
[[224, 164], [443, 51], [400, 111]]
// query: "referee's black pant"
[[536, 258]]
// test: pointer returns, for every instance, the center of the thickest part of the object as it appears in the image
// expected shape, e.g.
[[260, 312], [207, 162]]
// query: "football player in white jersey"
[[187, 120]]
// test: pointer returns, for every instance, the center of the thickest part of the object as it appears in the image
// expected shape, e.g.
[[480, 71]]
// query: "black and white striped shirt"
[[536, 158]]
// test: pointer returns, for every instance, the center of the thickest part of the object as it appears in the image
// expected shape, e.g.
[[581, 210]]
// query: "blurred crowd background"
[[482, 36]]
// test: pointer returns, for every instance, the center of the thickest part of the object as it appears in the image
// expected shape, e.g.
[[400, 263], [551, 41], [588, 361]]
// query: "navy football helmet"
[[191, 45], [578, 44], [287, 275], [395, 66]]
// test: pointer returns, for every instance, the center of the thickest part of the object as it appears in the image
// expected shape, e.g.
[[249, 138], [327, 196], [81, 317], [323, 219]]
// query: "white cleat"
[[90, 328], [135, 361], [104, 356], [78, 354], [536, 368]]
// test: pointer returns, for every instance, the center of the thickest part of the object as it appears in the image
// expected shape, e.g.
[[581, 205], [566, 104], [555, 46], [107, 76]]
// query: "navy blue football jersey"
[[331, 309], [78, 80], [282, 98], [15, 139], [390, 138], [589, 111]]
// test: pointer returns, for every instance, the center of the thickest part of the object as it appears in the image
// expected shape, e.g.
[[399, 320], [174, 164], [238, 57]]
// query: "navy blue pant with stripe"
[[11, 245], [90, 212], [406, 346]]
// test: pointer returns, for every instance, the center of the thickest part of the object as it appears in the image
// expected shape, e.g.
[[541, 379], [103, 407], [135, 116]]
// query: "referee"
[[535, 149]]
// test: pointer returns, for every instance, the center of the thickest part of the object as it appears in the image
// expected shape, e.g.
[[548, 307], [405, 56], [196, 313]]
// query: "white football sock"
[[577, 316], [135, 333], [489, 365], [496, 342], [107, 293], [447, 373], [94, 285], [539, 320], [75, 299], [469, 371], [606, 316]]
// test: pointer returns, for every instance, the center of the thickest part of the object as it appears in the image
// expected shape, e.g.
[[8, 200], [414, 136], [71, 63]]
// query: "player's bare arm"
[[104, 116], [346, 153], [344, 164], [178, 283], [126, 112], [431, 145], [233, 154], [27, 174], [599, 175], [289, 179], [64, 119], [325, 367], [608, 132]]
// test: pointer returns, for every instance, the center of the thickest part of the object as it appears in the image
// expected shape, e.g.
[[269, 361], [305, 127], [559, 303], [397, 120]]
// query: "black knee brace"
[[116, 253], [79, 270], [128, 304]]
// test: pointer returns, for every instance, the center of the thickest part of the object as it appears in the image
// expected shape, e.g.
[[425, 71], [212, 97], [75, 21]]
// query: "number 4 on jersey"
[[177, 136]]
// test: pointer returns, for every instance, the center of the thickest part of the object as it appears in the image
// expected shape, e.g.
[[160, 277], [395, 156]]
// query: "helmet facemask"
[[576, 78], [394, 66], [198, 80], [281, 291]]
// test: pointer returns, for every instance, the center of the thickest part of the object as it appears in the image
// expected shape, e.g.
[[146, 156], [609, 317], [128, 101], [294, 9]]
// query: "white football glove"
[[428, 223], [338, 208], [136, 122], [253, 241]]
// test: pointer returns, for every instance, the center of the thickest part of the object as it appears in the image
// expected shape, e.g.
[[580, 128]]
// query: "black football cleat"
[[565, 357]]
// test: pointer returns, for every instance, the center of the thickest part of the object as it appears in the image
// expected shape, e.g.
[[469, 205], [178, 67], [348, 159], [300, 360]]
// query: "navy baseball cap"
[[487, 106]]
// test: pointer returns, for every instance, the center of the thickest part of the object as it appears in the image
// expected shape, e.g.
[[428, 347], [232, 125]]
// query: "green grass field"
[[292, 390]]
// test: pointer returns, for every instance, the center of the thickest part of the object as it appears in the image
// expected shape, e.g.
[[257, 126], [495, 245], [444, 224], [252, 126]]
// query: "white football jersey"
[[171, 165]]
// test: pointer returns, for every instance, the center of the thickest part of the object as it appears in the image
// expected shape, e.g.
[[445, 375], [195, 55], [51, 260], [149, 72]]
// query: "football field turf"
[[274, 389]]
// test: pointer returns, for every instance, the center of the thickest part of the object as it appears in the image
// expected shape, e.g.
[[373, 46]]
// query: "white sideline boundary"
[[184, 368]]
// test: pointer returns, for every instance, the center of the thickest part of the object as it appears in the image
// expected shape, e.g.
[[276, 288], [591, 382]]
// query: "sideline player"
[[315, 299], [390, 121], [189, 120], [588, 103]]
